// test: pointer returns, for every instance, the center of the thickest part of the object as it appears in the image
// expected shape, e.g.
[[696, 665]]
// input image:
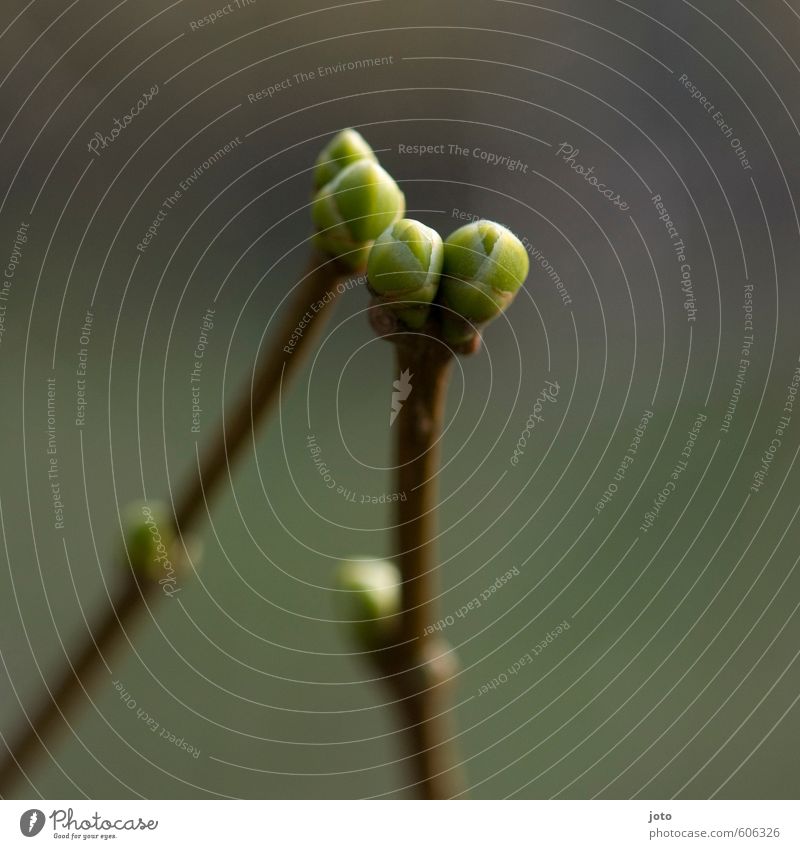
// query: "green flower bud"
[[342, 150], [149, 540], [369, 593], [484, 266], [404, 267], [354, 209]]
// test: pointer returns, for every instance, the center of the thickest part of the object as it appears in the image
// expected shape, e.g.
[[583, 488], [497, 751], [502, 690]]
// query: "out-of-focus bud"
[[152, 548], [484, 266], [342, 150], [369, 597], [354, 208], [404, 267]]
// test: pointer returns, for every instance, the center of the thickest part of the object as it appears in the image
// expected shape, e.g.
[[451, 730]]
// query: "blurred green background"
[[678, 673]]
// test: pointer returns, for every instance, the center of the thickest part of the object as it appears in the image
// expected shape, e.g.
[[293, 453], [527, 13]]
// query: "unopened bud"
[[150, 542], [404, 267], [354, 208], [342, 150], [484, 266], [369, 592]]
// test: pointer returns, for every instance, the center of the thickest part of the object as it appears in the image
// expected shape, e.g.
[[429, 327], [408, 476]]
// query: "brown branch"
[[73, 683], [419, 667], [311, 304], [319, 287]]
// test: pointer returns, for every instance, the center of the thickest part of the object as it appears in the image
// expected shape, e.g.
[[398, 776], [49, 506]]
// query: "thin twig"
[[73, 683], [303, 323], [419, 668], [310, 307]]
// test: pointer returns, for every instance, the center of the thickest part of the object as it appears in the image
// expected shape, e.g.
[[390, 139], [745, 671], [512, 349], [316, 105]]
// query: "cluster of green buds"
[[358, 216], [356, 199], [472, 277], [369, 594]]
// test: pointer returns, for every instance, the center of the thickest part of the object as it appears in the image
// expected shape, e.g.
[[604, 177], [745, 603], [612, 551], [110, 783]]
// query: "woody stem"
[[420, 668], [310, 308]]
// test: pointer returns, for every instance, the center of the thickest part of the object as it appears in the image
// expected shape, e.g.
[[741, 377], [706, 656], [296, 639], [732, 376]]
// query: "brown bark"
[[419, 669], [320, 284]]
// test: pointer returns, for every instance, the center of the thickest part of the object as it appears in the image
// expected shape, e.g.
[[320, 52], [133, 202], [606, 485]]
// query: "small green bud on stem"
[[403, 270], [342, 150], [370, 592], [354, 208], [485, 264], [151, 543]]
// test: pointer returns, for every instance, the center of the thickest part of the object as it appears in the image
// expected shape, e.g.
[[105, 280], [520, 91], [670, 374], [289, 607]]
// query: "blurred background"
[[677, 675]]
